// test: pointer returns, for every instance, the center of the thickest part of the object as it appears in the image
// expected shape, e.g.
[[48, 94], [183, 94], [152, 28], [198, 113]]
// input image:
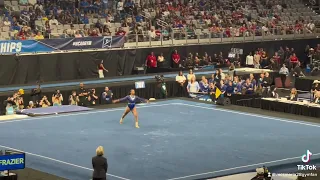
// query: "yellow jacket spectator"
[[38, 36]]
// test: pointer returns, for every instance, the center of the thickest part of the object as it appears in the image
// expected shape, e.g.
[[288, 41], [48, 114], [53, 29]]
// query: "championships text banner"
[[49, 45]]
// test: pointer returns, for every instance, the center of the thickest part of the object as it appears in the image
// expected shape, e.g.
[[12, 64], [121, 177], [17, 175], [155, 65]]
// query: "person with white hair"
[[100, 165]]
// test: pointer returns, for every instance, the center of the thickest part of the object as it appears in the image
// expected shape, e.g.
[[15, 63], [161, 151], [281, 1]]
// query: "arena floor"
[[177, 139]]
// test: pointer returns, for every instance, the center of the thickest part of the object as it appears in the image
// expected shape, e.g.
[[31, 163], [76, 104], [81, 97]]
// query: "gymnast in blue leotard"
[[132, 99]]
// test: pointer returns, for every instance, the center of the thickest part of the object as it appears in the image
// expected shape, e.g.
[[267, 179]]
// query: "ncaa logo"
[[306, 157], [107, 41]]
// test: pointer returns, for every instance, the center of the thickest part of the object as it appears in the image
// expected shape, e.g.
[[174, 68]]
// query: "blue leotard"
[[132, 100]]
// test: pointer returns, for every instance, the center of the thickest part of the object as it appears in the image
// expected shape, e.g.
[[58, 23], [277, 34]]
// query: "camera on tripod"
[[159, 78]]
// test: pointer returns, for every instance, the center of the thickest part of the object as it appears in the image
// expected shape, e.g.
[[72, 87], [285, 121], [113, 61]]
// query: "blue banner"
[[49, 45], [27, 46], [104, 42], [12, 162]]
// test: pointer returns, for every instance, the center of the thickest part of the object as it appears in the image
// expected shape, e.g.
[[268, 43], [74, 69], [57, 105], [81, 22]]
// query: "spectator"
[[44, 102], [249, 60], [293, 95], [180, 79], [190, 75], [39, 36], [284, 72], [31, 105], [121, 32], [151, 61], [73, 98], [256, 60], [273, 93], [85, 19], [294, 61], [193, 88], [93, 98], [19, 101], [315, 87], [106, 31], [36, 94], [47, 27], [6, 22], [106, 97], [297, 72], [101, 69], [100, 165], [161, 60], [176, 60], [247, 87], [264, 62], [317, 98], [77, 34], [152, 34], [94, 33], [229, 89], [237, 85], [120, 8], [212, 90], [204, 85], [83, 95], [53, 22], [223, 76], [217, 77], [57, 98], [84, 5]]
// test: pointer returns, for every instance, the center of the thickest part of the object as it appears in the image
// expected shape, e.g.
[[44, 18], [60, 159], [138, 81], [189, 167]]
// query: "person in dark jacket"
[[100, 165]]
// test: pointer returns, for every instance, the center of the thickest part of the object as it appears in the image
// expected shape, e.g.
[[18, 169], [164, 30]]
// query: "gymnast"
[[132, 99]]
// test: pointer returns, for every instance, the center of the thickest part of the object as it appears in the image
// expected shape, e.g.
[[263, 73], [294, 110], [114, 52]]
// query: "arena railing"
[[196, 37], [178, 37]]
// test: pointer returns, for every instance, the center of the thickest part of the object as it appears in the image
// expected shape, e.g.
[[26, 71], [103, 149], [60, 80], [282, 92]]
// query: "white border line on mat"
[[82, 113], [62, 162], [252, 115], [240, 167]]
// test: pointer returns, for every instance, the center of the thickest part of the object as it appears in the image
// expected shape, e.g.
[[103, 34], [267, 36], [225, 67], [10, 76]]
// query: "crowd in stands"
[[258, 58], [152, 19]]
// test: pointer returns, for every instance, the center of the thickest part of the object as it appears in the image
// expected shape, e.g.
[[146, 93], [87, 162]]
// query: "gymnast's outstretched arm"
[[120, 100], [142, 100]]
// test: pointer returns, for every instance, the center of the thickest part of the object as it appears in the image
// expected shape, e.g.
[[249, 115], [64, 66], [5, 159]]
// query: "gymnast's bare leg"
[[126, 111], [135, 114]]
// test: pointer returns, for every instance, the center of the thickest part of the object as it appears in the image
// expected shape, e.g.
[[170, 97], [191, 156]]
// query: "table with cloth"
[[294, 107]]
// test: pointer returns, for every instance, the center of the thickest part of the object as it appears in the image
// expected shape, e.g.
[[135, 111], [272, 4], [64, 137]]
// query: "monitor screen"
[[140, 85]]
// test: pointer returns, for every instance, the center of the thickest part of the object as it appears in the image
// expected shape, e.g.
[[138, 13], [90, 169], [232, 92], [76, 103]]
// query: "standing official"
[[100, 165], [83, 95]]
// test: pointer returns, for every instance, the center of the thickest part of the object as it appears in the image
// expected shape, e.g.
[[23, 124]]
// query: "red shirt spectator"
[[175, 59], [294, 58], [276, 58], [243, 29], [228, 32], [152, 61], [121, 32]]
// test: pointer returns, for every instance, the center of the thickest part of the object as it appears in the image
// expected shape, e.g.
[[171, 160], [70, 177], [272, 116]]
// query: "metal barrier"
[[181, 37]]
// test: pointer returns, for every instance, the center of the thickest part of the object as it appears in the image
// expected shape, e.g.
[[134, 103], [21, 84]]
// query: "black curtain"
[[83, 65]]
